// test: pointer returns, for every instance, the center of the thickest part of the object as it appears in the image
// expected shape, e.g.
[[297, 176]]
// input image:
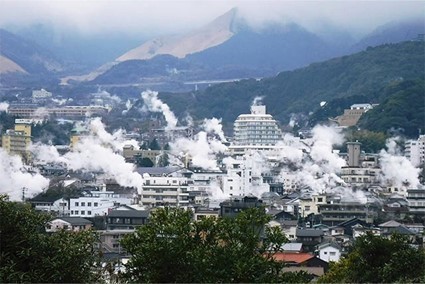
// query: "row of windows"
[[95, 204], [83, 212]]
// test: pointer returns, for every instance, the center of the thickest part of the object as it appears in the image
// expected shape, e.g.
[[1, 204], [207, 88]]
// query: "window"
[[83, 212], [332, 253], [320, 199], [89, 204], [88, 212], [76, 212], [83, 204], [72, 212], [76, 203], [95, 204]]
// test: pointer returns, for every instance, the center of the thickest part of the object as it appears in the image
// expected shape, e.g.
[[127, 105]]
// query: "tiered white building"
[[255, 131], [415, 151]]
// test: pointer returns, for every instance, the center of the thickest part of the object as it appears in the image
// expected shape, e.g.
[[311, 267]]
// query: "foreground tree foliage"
[[376, 259], [29, 254], [173, 248]]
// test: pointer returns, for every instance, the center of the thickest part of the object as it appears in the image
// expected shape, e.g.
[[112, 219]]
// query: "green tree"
[[29, 254], [154, 145], [163, 160], [173, 248], [376, 259], [144, 162]]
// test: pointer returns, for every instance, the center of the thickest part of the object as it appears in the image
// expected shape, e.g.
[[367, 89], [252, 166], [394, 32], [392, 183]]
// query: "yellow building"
[[23, 127], [76, 134], [17, 143]]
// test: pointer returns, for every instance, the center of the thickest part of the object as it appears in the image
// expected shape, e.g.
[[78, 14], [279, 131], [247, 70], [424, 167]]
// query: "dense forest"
[[359, 78]]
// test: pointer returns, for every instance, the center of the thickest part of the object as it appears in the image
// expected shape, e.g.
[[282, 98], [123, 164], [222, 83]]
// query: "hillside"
[[402, 110], [301, 91], [27, 55], [215, 33]]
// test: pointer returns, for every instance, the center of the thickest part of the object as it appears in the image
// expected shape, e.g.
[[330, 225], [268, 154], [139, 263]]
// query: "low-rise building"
[[69, 224]]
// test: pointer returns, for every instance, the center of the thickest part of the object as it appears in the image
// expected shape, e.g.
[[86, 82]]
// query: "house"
[[359, 230], [202, 213], [126, 219], [329, 251], [289, 227], [69, 224], [309, 238], [307, 262], [232, 207], [292, 247]]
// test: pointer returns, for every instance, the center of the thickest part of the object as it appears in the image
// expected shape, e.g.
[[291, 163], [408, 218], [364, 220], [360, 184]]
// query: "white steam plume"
[[315, 164], [128, 106], [95, 152], [153, 104], [4, 106], [214, 126], [202, 150], [14, 178], [257, 101], [397, 170]]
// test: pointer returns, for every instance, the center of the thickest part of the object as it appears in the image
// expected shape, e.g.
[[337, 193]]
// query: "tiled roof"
[[74, 220], [292, 257], [129, 213], [309, 233], [390, 224]]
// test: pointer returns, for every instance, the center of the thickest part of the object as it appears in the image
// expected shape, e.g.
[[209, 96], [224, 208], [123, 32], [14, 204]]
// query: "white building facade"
[[161, 191]]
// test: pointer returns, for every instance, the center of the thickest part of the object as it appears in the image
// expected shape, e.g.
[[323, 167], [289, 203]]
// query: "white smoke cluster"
[[189, 120], [59, 101], [14, 178], [116, 140], [202, 150], [41, 112], [397, 170], [153, 104], [315, 164], [257, 101], [128, 106], [4, 106], [214, 126], [96, 151]]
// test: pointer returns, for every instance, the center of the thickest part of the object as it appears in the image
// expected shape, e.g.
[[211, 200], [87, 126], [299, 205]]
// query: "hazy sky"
[[159, 16]]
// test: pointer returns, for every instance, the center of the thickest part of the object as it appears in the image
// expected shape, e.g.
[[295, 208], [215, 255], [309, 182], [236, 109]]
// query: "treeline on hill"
[[402, 110], [362, 75]]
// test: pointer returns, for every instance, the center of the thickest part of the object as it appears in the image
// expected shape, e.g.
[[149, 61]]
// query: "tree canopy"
[[376, 259], [29, 254], [173, 248]]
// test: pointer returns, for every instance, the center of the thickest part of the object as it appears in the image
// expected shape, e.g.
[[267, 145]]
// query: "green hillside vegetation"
[[363, 74], [402, 110]]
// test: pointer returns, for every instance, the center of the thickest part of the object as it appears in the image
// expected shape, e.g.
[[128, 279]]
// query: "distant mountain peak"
[[212, 34]]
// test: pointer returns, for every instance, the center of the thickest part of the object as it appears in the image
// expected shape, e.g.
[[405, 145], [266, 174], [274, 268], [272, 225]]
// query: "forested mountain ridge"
[[362, 74]]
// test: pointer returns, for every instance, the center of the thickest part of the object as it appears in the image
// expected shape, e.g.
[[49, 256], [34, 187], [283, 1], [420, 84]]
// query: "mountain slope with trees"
[[363, 74]]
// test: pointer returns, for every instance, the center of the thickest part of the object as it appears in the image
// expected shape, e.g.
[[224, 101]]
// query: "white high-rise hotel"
[[255, 131]]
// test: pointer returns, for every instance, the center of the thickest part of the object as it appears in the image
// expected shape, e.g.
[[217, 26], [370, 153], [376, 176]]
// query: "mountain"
[[79, 52], [24, 56], [392, 32], [227, 48], [274, 48], [363, 74], [215, 33]]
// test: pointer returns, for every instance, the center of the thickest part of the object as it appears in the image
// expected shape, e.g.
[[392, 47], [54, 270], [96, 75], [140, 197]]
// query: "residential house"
[[289, 227], [296, 262], [126, 219], [309, 238], [69, 224], [329, 251], [232, 207]]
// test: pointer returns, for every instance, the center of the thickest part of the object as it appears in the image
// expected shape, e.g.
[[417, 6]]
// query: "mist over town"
[[212, 141]]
